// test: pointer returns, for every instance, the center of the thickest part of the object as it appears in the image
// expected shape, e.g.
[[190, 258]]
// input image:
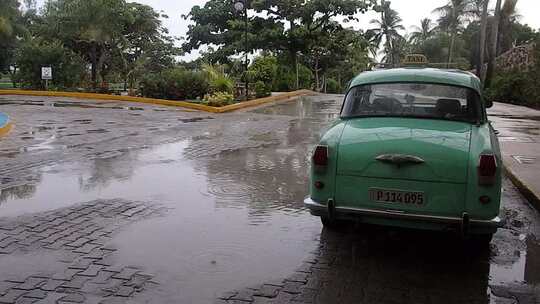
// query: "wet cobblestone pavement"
[[104, 202]]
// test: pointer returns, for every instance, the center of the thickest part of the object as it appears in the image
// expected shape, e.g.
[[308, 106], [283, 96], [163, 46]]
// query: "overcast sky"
[[411, 11]]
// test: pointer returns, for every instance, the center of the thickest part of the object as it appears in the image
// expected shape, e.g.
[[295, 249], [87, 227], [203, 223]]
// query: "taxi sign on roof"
[[415, 59]]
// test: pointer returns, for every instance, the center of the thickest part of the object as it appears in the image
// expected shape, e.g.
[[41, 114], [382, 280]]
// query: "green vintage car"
[[412, 148]]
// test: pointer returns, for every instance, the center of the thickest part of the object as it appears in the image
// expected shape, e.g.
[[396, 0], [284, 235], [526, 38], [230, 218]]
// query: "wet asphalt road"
[[116, 202]]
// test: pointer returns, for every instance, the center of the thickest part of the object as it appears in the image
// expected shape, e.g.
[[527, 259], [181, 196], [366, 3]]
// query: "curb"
[[6, 126], [163, 102], [523, 188]]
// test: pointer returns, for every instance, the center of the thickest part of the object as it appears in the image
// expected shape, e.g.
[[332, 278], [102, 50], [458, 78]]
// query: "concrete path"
[[519, 135]]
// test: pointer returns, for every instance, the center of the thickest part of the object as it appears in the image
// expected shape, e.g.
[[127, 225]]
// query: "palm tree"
[[483, 39], [423, 32], [508, 17], [387, 29], [451, 20], [493, 44]]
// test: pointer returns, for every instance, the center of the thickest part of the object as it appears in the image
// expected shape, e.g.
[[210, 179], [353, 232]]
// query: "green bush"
[[68, 68], [261, 89], [517, 86], [332, 86], [286, 78], [219, 99], [175, 84], [218, 80]]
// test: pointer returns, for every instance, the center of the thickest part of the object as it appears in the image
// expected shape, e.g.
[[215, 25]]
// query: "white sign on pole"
[[46, 73]]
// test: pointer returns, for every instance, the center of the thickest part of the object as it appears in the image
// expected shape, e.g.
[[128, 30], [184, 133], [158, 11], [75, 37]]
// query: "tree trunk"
[[451, 50], [482, 45], [297, 77], [317, 74], [493, 46], [93, 62]]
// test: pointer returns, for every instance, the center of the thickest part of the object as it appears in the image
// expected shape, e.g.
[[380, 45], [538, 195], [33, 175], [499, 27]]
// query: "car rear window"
[[419, 100]]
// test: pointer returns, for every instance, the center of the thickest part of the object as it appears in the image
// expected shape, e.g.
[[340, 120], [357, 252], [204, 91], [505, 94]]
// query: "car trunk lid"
[[405, 149]]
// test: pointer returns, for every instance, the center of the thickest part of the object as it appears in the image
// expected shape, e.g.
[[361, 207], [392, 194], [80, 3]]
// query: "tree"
[[387, 29], [92, 28], [11, 30], [290, 27], [451, 20], [423, 32], [493, 44], [482, 42], [68, 67], [508, 17]]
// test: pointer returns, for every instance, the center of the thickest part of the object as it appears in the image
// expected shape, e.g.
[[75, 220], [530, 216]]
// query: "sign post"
[[46, 74]]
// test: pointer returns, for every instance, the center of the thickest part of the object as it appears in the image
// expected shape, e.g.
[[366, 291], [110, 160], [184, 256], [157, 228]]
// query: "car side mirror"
[[488, 103]]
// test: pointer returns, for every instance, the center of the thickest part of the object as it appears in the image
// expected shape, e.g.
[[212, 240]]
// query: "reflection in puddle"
[[526, 268]]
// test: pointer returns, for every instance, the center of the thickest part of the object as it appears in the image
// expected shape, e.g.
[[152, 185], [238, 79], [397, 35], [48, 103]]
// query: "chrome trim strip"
[[315, 206]]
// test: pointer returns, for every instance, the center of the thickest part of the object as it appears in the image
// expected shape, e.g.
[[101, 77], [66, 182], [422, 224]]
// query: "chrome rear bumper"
[[328, 209]]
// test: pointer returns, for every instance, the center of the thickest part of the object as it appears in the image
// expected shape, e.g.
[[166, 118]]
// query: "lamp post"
[[240, 6]]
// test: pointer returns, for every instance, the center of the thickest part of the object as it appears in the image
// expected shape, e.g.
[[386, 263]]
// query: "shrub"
[[332, 86], [517, 86], [261, 89], [286, 78], [218, 99], [218, 80], [176, 84], [68, 68]]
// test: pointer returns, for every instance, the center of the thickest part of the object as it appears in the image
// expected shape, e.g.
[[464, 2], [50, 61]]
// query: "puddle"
[[525, 269]]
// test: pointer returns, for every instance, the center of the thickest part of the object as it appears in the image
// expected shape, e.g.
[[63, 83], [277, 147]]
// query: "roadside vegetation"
[[115, 46]]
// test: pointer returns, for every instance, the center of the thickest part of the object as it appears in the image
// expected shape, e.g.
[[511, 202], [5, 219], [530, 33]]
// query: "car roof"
[[426, 75]]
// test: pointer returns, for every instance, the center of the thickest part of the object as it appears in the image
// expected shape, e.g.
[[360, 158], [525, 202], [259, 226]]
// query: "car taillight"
[[487, 169], [320, 156]]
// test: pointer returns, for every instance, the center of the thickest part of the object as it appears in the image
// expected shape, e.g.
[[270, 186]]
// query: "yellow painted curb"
[[163, 102], [523, 188], [5, 129]]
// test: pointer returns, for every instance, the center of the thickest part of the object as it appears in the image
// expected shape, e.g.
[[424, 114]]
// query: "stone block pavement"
[[88, 273]]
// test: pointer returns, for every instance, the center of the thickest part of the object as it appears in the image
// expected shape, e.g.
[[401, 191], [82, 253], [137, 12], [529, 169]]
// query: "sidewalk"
[[519, 135]]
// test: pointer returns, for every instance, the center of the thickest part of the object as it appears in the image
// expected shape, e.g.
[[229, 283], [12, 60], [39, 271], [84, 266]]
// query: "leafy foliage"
[[68, 67], [219, 99], [175, 84]]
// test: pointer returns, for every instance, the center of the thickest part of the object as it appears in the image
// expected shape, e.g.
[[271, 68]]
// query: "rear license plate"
[[397, 196]]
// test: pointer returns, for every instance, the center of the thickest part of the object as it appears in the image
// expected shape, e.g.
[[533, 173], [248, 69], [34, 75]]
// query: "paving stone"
[[126, 273], [138, 280], [78, 242], [72, 298], [72, 237], [52, 298], [76, 282], [51, 285], [91, 271], [125, 291], [298, 277], [243, 295], [7, 241], [5, 286], [133, 211], [16, 231], [113, 300], [86, 248], [81, 263], [30, 283], [11, 296], [58, 244], [292, 287], [36, 294], [267, 291], [102, 277], [25, 300]]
